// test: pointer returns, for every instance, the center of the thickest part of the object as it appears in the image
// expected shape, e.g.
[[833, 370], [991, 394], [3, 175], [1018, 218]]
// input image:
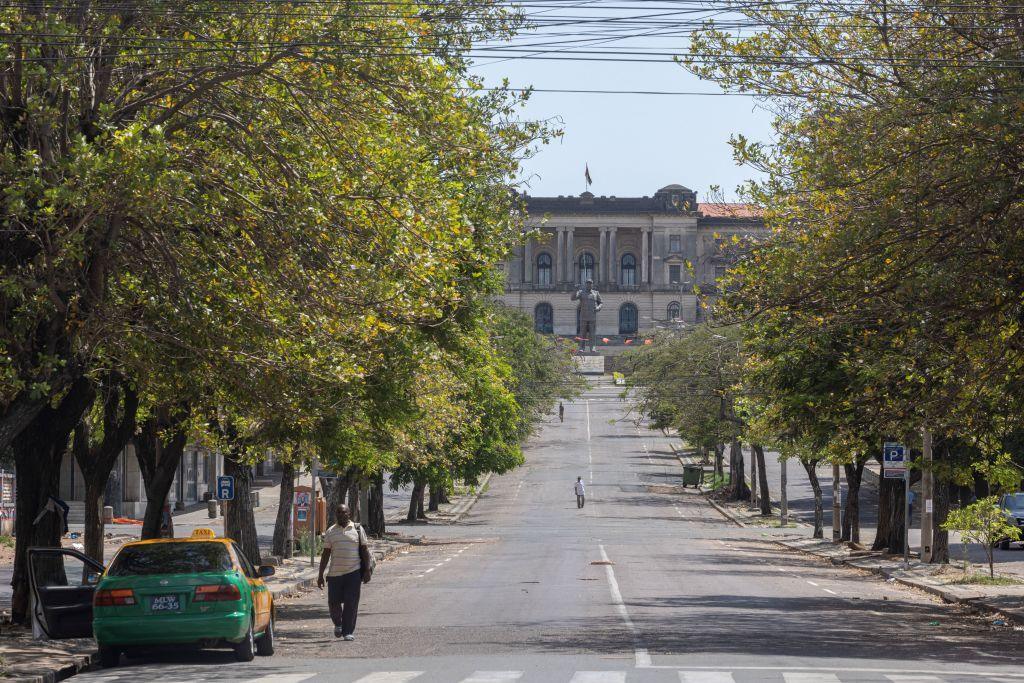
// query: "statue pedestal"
[[589, 363]]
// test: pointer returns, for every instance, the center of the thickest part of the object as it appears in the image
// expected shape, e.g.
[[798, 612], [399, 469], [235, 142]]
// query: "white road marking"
[[828, 591], [705, 677], [493, 677], [388, 677], [640, 655], [599, 677], [430, 570], [902, 678], [812, 583], [808, 677]]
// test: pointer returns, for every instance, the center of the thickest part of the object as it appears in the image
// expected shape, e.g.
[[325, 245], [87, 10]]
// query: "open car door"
[[62, 582]]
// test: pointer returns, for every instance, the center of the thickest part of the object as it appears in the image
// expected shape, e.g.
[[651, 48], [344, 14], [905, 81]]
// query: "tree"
[[985, 523]]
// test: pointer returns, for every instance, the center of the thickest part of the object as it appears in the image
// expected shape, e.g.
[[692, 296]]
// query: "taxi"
[[200, 590]]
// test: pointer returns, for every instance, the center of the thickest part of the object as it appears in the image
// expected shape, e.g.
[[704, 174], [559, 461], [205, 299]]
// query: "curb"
[[77, 665], [976, 603], [721, 509]]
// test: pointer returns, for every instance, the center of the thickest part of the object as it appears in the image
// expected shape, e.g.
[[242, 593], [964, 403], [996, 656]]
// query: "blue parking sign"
[[225, 488]]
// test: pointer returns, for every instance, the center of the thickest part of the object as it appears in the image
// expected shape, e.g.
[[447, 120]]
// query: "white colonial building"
[[644, 254]]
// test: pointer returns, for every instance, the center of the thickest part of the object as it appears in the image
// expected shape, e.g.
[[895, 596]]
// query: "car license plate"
[[165, 603]]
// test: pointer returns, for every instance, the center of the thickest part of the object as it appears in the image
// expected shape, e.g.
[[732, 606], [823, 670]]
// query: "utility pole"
[[836, 504], [753, 479], [783, 500], [927, 495], [313, 508]]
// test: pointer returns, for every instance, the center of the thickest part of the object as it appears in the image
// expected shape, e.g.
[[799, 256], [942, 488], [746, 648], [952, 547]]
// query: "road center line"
[[640, 655]]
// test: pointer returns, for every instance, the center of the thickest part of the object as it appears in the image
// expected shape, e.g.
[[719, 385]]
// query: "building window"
[[627, 319], [675, 244], [673, 311], [675, 275], [544, 318], [544, 269], [628, 269], [587, 270], [719, 272]]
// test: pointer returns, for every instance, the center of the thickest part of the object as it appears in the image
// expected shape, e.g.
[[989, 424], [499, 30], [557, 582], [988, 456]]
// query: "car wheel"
[[110, 657], [265, 645], [245, 651]]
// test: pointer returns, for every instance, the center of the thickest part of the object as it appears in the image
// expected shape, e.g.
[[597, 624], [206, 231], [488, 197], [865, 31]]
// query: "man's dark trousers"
[[344, 591], [579, 500]]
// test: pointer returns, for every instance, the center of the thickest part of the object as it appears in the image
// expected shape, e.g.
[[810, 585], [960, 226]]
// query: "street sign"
[[894, 460], [225, 488], [324, 474]]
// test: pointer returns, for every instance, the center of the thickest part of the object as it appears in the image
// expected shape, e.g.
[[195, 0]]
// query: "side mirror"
[[265, 571], [92, 578]]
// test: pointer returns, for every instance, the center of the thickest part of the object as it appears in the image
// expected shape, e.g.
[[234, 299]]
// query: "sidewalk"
[[448, 513], [28, 660]]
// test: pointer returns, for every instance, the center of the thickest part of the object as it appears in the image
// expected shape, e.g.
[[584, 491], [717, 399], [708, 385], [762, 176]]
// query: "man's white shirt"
[[579, 488]]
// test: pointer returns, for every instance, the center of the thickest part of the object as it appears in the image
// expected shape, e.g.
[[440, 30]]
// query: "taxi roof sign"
[[203, 532]]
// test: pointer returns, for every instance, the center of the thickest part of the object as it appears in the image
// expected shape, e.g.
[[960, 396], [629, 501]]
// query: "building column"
[[645, 236], [528, 260], [570, 255], [613, 255], [602, 272], [559, 260]]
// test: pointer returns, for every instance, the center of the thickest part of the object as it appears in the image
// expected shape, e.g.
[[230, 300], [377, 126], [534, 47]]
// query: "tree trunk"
[[97, 461], [720, 460], [442, 495], [940, 537], [282, 544], [239, 520], [737, 477], [158, 448], [375, 524], [812, 474], [851, 512], [753, 480], [415, 502], [435, 498], [420, 512], [889, 535], [765, 499], [353, 499], [38, 450]]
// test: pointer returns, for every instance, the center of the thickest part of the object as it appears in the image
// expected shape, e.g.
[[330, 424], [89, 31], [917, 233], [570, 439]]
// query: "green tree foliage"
[[984, 523]]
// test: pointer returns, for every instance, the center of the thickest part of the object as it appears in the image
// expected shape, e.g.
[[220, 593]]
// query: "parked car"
[[199, 591], [1012, 505]]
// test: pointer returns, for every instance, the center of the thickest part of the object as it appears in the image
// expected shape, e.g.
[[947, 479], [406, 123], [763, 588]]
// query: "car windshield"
[[170, 558], [1014, 501]]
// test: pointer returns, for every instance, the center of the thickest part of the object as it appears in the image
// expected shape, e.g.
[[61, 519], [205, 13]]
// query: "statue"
[[590, 304]]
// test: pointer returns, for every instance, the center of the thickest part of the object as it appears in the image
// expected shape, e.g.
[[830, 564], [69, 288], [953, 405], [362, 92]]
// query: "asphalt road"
[[646, 583]]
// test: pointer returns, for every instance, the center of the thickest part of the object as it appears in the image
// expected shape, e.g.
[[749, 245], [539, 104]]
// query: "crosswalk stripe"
[[282, 678], [493, 677], [705, 677], [913, 678], [805, 677], [599, 677], [390, 677]]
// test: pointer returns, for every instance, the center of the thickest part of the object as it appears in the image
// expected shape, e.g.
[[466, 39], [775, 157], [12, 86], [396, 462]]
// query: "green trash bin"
[[693, 474]]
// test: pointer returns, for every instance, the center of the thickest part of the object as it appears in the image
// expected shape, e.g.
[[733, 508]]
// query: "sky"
[[633, 144]]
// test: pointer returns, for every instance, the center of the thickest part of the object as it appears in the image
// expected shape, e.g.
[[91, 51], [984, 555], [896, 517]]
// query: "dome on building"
[[674, 188]]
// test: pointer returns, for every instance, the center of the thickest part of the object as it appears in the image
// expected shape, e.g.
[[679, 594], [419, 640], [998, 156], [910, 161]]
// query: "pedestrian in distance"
[[347, 563], [581, 492], [561, 412]]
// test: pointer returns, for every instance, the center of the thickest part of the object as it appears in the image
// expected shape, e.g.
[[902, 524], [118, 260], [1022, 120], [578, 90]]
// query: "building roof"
[[730, 210]]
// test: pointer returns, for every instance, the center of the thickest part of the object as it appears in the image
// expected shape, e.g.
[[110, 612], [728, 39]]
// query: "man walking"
[[345, 551], [580, 492]]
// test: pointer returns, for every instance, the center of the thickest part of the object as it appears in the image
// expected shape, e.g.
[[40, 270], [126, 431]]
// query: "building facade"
[[646, 256]]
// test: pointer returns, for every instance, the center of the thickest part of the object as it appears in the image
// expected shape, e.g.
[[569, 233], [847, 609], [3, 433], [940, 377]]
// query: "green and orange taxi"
[[200, 590]]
